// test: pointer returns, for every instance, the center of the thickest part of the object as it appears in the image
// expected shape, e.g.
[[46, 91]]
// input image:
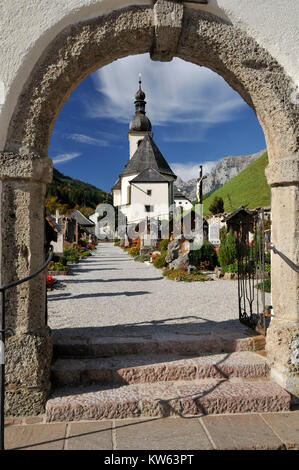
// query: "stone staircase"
[[188, 374]]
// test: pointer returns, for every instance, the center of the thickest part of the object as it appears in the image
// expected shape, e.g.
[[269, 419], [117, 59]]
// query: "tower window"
[[149, 192], [139, 142], [149, 208]]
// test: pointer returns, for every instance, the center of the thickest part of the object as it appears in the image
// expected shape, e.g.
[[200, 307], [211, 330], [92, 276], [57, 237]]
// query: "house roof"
[[147, 156], [179, 195], [51, 221], [240, 209], [150, 175], [81, 219]]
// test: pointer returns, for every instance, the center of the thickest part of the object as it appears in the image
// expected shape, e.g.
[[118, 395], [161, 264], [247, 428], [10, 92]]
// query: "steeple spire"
[[139, 99], [140, 122]]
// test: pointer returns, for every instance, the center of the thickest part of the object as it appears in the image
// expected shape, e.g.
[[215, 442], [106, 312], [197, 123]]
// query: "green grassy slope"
[[249, 188]]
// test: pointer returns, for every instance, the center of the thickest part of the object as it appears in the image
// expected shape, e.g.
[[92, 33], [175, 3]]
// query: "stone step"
[[208, 341], [157, 368], [183, 398]]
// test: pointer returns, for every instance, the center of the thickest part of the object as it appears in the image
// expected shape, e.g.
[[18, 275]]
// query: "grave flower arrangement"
[[50, 281]]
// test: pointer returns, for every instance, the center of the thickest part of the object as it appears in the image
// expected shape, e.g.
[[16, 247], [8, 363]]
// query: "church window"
[[149, 208], [149, 192]]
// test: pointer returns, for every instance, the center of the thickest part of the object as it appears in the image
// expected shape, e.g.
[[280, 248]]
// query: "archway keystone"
[[168, 23]]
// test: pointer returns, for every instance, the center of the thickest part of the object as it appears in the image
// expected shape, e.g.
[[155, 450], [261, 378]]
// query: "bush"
[[84, 253], [227, 252], [142, 258], [73, 259], [72, 251], [267, 268], [181, 275], [163, 244], [159, 261], [63, 260], [134, 251], [217, 206], [230, 268], [206, 253], [59, 267], [267, 285]]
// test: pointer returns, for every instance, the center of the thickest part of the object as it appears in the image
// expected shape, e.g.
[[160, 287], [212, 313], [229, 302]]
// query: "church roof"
[[117, 185], [150, 175], [147, 156], [140, 122]]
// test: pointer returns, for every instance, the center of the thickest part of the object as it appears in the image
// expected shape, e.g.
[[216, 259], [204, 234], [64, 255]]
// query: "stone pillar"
[[283, 334], [23, 180]]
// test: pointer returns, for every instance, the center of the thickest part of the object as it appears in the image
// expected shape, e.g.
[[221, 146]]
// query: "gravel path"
[[111, 289]]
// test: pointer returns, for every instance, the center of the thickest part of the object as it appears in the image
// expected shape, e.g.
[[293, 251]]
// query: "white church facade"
[[145, 188]]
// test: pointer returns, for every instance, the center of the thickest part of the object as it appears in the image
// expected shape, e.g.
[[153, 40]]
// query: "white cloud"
[[190, 170], [65, 157], [176, 92], [85, 139]]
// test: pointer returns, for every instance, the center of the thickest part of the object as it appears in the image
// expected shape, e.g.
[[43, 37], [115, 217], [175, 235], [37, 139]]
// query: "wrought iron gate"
[[251, 273]]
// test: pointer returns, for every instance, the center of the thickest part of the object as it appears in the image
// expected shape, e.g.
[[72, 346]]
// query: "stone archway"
[[164, 30]]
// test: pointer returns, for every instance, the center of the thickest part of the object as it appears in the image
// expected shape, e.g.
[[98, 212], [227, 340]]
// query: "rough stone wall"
[[23, 181]]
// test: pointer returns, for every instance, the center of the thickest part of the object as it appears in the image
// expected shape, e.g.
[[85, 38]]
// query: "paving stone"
[[241, 432], [286, 426], [89, 436], [161, 434], [35, 437]]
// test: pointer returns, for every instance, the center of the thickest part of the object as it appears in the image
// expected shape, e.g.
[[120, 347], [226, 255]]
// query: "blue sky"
[[196, 117]]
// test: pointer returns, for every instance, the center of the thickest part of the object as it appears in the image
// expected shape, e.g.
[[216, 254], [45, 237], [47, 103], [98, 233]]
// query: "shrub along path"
[[110, 289]]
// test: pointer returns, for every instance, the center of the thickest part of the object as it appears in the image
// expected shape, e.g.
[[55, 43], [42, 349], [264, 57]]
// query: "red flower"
[[50, 281]]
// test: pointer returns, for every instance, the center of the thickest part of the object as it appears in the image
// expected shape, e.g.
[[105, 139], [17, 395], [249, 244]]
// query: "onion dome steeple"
[[140, 122]]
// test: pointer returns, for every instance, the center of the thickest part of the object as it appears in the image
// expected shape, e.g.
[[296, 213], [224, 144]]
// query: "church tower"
[[140, 125]]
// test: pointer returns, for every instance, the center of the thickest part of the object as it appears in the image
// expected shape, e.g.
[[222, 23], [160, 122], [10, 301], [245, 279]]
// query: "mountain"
[[220, 174], [249, 188], [66, 194]]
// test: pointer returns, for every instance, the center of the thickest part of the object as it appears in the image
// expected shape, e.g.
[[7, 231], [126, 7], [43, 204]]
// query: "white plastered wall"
[[159, 199], [28, 26], [184, 203]]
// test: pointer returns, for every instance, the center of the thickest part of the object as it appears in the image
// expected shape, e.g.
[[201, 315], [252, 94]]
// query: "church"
[[145, 188]]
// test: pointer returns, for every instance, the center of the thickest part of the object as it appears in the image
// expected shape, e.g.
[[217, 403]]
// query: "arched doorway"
[[164, 30]]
